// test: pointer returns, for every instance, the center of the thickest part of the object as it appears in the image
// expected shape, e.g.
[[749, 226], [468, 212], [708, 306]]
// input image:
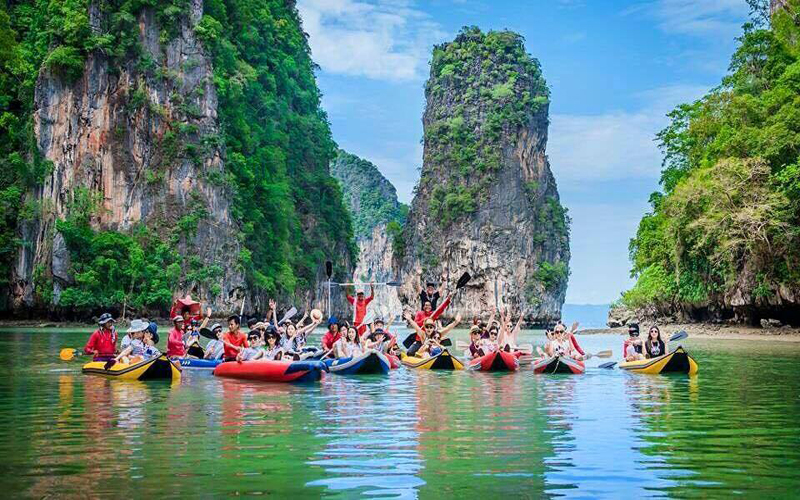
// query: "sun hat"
[[138, 325], [215, 326], [316, 315], [104, 318], [428, 321], [177, 318], [258, 325]]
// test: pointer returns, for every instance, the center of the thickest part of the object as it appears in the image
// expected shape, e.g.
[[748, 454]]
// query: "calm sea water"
[[732, 430]]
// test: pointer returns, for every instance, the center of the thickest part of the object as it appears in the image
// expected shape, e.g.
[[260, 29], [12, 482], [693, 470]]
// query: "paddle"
[[601, 354], [387, 283], [109, 364], [678, 336], [446, 342], [68, 353], [329, 273], [608, 364], [463, 280], [205, 332], [288, 315]]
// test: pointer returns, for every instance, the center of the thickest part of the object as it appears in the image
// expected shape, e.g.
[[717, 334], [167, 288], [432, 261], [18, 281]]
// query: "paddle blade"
[[109, 364], [446, 342], [66, 354], [289, 314], [604, 354], [409, 341], [205, 332], [609, 364], [329, 269], [678, 336], [463, 280]]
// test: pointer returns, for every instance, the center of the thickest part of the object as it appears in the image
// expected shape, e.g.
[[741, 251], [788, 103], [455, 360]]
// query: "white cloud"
[[380, 39], [614, 145], [705, 18]]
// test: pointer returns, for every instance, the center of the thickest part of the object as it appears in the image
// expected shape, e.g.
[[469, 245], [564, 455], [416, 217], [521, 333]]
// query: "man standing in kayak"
[[429, 295], [360, 306], [428, 311], [103, 342]]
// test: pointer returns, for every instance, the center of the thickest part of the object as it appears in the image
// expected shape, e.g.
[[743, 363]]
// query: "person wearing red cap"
[[175, 345], [102, 343], [360, 304]]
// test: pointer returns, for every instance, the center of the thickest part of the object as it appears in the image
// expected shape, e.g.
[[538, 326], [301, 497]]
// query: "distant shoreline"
[[714, 331]]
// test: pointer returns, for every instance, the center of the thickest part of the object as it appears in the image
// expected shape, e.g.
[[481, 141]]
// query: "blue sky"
[[615, 68]]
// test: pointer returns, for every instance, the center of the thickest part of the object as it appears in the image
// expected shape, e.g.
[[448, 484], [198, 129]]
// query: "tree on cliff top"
[[728, 218]]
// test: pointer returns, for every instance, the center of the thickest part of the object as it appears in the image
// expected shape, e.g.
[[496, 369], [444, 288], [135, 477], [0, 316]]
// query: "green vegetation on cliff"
[[372, 199], [488, 86], [727, 223], [276, 138]]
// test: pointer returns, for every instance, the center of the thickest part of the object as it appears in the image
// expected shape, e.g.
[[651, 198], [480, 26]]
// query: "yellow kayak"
[[442, 361], [677, 361], [158, 368]]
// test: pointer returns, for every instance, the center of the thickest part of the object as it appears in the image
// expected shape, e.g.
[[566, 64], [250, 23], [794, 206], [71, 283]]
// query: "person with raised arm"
[[360, 304], [427, 329]]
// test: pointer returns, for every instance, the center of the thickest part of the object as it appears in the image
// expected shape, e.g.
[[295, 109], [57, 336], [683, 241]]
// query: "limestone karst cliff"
[[177, 147], [486, 201]]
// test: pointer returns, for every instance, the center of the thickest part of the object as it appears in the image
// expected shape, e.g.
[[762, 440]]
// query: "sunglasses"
[[429, 327], [633, 334]]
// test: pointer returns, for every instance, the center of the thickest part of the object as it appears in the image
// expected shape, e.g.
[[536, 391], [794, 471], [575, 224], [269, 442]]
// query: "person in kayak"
[[349, 345], [377, 340], [429, 312], [235, 341], [272, 345], [175, 346], [332, 335], [102, 344], [215, 348], [430, 294], [632, 347], [134, 351], [428, 328], [654, 346], [360, 307], [432, 345], [296, 336], [475, 346], [560, 344], [253, 351]]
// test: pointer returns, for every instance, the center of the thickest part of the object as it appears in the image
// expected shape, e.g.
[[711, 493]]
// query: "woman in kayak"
[[476, 345], [272, 346], [633, 347], [215, 348], [296, 336], [102, 344], [654, 346], [428, 329], [560, 344], [134, 351], [349, 345]]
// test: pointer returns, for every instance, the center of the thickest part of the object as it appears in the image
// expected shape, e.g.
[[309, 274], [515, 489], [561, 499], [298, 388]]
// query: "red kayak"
[[273, 371], [497, 361], [394, 361]]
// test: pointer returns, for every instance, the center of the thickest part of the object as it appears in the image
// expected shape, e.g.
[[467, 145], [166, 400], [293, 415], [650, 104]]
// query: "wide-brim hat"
[[138, 325], [428, 321], [257, 326]]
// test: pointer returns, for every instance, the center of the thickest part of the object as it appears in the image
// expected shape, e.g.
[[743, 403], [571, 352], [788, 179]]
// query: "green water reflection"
[[732, 429]]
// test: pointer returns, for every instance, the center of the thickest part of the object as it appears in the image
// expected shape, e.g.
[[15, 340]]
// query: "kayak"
[[370, 362], [558, 364], [677, 361], [273, 371], [497, 361], [199, 364], [442, 361], [157, 368]]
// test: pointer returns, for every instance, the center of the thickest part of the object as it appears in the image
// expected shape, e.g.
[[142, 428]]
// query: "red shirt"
[[421, 316], [361, 307], [329, 339], [102, 341], [238, 339], [175, 345]]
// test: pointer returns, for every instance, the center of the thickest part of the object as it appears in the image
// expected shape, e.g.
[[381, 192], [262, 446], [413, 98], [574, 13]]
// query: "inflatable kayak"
[[558, 364], [677, 361], [370, 362], [273, 371], [199, 364], [497, 361], [158, 368], [442, 361]]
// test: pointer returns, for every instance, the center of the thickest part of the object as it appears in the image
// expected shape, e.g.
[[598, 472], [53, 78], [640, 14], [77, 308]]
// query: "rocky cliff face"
[[487, 202], [112, 132], [372, 200], [201, 130]]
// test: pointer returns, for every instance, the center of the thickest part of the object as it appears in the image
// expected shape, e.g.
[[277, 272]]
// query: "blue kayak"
[[369, 362], [199, 364]]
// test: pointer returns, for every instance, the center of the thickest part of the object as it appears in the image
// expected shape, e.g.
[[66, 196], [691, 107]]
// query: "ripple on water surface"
[[731, 429]]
